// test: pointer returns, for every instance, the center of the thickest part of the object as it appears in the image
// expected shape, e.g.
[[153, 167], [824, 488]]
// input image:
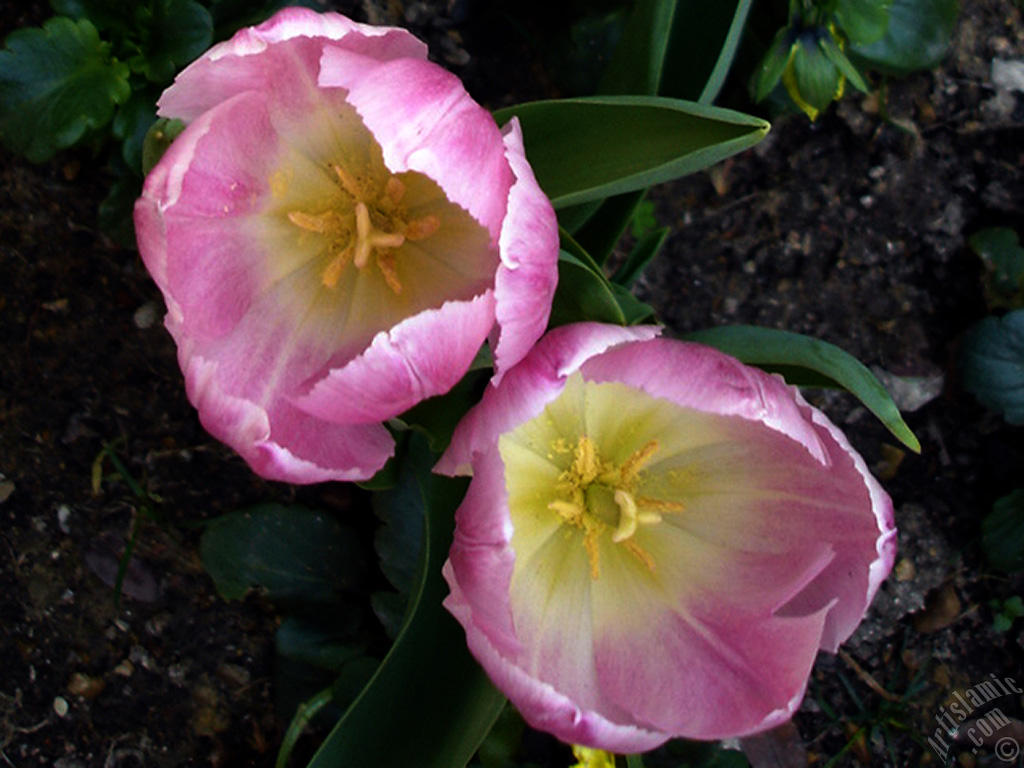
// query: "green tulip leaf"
[[677, 48], [916, 38], [57, 83], [992, 364], [601, 232], [589, 149], [1002, 533], [643, 253], [583, 294], [295, 555], [805, 361], [429, 704]]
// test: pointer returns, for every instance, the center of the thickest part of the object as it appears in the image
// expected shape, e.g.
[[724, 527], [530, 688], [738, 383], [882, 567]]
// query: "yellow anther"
[[322, 224], [418, 229], [332, 274], [646, 502], [348, 183], [632, 466], [640, 554], [585, 465], [386, 263], [394, 189], [569, 512]]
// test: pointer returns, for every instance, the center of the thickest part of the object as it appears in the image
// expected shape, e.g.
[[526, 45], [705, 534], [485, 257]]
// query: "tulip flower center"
[[600, 497], [366, 223]]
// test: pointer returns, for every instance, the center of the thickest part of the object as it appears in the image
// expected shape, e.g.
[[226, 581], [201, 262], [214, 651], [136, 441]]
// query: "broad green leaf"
[[583, 295], [172, 33], [429, 704], [1000, 250], [296, 555], [642, 254], [158, 139], [863, 21], [327, 639], [992, 364], [106, 15], [438, 416], [791, 353], [917, 37], [1002, 533], [677, 48], [57, 83], [590, 149]]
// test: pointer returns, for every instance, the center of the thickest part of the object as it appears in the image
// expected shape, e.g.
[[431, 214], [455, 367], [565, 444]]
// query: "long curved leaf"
[[809, 362], [678, 48], [592, 148], [429, 704]]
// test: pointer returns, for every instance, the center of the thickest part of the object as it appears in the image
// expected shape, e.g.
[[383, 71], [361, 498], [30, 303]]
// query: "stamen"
[[386, 262], [568, 511], [332, 274], [585, 464], [348, 183], [321, 224], [662, 506], [591, 545], [640, 553], [363, 228], [395, 189], [632, 466], [418, 229]]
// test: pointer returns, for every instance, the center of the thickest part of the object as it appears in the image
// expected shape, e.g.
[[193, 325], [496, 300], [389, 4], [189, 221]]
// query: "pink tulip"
[[336, 232], [657, 539]]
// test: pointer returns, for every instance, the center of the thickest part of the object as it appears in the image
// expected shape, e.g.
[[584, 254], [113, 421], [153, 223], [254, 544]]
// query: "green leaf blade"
[[583, 150], [296, 555], [429, 704], [827, 365], [1002, 533], [57, 83]]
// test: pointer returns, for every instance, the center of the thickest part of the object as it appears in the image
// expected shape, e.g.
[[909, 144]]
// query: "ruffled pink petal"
[[281, 54], [282, 443], [421, 357], [702, 378], [727, 678], [425, 121], [541, 705], [526, 279], [195, 204], [531, 385]]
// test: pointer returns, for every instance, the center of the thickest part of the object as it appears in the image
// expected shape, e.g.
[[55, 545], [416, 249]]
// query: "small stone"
[[941, 608], [234, 675], [139, 655], [1008, 75], [6, 489], [146, 315], [86, 686], [63, 515], [60, 706], [905, 570], [124, 669]]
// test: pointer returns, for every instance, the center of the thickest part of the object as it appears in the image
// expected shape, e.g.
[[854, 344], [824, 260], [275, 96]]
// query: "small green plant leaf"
[[56, 84], [297, 556], [106, 15], [774, 63], [992, 364], [326, 640], [805, 361], [846, 69], [1003, 256], [589, 149], [916, 37], [813, 78], [131, 125], [1002, 533], [863, 21], [429, 704], [603, 230]]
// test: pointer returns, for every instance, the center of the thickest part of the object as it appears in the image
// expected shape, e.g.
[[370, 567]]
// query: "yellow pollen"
[[585, 470]]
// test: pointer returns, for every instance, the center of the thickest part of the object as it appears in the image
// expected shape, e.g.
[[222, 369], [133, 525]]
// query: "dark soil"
[[852, 229]]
